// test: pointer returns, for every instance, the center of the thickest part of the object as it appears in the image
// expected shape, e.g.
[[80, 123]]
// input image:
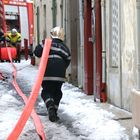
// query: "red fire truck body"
[[19, 15]]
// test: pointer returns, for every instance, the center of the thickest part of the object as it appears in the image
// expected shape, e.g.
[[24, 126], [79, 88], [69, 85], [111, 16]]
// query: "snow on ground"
[[80, 119]]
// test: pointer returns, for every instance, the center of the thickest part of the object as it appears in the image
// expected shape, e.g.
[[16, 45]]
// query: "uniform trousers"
[[51, 93]]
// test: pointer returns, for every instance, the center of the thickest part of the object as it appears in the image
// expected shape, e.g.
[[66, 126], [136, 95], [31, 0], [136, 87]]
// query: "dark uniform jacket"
[[2, 38], [59, 60]]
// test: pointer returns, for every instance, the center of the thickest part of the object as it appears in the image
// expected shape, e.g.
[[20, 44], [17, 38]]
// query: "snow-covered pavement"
[[80, 118]]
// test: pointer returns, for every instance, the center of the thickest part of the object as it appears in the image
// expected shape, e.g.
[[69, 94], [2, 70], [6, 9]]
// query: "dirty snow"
[[80, 118]]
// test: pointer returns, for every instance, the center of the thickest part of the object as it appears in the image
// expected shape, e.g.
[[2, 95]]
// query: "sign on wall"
[[16, 2]]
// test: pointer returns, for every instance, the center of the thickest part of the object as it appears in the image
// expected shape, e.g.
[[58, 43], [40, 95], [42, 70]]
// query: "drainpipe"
[[65, 19], [100, 51], [88, 48], [61, 7], [103, 90], [19, 30], [98, 44], [54, 12], [81, 49]]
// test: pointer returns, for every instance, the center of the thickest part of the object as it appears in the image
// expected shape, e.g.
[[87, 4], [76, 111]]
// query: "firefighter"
[[13, 39], [58, 61], [2, 38]]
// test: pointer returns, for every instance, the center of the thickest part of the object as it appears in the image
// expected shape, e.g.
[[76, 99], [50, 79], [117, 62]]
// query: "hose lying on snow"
[[28, 109]]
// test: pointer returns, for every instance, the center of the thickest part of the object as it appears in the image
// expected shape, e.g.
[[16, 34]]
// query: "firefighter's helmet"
[[13, 31], [57, 32]]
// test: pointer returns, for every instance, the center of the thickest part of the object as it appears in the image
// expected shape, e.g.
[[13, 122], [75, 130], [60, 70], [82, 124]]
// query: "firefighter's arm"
[[2, 37], [8, 39], [38, 50], [19, 39], [18, 42]]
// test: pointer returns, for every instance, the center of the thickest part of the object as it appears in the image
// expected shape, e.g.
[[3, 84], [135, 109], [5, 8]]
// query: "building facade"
[[121, 51], [103, 36]]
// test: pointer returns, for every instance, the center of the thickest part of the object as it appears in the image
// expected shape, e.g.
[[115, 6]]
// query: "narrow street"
[[86, 53], [77, 112]]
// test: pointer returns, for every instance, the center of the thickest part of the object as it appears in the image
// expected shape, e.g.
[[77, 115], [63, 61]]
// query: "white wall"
[[121, 56], [129, 69]]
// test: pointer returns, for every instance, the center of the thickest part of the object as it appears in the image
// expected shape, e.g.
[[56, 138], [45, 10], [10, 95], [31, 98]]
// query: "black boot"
[[52, 114], [51, 110], [56, 108]]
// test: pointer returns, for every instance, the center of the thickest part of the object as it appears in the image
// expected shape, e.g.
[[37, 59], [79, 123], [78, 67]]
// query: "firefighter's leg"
[[46, 94], [57, 95]]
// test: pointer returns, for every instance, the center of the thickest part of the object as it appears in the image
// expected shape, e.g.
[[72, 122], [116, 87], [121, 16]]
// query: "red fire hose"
[[28, 109]]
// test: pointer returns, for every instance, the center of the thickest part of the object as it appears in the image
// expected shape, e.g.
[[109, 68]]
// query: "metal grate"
[[115, 34]]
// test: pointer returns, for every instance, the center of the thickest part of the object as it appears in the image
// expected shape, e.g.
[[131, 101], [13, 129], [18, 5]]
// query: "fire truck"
[[19, 15]]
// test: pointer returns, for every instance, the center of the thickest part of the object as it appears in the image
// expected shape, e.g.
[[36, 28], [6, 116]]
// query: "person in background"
[[13, 39], [58, 61], [2, 38], [2, 44]]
